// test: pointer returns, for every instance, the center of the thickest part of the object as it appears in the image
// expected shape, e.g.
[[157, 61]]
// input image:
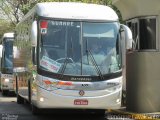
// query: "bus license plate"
[[80, 102]]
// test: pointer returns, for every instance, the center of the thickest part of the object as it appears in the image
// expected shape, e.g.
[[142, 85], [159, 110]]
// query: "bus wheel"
[[20, 100], [35, 110], [29, 92], [4, 92]]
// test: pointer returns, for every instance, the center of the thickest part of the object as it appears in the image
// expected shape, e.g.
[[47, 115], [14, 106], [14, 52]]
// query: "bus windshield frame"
[[72, 53]]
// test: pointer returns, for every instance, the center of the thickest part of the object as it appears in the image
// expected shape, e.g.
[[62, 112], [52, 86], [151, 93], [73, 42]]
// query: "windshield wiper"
[[89, 53], [95, 64], [66, 60], [64, 67]]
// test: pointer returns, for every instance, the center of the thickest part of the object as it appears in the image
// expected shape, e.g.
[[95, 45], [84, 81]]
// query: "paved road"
[[10, 110]]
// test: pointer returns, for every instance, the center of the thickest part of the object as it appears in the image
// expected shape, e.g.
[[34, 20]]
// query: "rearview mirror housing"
[[128, 37], [34, 34]]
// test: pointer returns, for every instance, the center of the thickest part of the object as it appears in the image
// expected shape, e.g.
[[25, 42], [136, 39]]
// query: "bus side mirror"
[[127, 37], [34, 34]]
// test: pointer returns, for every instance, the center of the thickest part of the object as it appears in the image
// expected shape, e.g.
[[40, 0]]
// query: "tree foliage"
[[11, 9], [6, 26]]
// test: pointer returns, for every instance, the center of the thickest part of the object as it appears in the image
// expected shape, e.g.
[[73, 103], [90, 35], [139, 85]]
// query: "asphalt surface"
[[10, 110]]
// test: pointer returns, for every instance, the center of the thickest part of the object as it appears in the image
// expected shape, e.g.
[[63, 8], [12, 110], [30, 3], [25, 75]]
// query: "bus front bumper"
[[47, 99], [7, 84]]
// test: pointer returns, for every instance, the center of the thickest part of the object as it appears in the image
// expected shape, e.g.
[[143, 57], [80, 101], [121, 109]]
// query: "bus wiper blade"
[[95, 64], [64, 67]]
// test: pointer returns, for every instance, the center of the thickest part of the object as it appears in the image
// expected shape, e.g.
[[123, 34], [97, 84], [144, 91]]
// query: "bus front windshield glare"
[[79, 48]]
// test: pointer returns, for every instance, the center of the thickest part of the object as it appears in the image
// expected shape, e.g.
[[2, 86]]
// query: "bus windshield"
[[79, 48], [7, 60]]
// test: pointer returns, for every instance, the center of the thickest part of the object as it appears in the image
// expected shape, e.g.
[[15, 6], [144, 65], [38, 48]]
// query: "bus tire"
[[29, 92], [35, 110], [16, 85], [20, 100]]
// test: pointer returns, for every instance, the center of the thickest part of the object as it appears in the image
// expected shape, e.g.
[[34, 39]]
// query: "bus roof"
[[11, 35], [73, 10]]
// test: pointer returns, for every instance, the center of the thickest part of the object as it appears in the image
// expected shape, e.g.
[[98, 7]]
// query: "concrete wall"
[[143, 81], [142, 67]]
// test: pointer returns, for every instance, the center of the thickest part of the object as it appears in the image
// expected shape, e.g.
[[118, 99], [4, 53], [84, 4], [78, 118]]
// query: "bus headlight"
[[6, 80], [118, 100], [41, 99]]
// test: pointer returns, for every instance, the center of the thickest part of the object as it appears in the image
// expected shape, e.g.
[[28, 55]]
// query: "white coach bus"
[[7, 80], [58, 44]]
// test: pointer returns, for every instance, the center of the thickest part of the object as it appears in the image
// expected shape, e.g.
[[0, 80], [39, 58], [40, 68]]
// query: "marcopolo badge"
[[81, 92]]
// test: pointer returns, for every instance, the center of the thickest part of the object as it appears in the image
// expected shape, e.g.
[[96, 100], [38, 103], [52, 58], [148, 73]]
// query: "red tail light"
[[44, 24]]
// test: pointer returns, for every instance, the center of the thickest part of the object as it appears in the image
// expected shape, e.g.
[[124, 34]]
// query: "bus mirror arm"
[[34, 34], [127, 36]]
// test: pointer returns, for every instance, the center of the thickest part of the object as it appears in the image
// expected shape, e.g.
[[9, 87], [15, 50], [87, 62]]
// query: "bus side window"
[[34, 56]]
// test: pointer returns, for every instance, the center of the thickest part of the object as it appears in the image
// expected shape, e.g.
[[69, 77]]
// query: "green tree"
[[11, 15], [11, 8], [6, 26]]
